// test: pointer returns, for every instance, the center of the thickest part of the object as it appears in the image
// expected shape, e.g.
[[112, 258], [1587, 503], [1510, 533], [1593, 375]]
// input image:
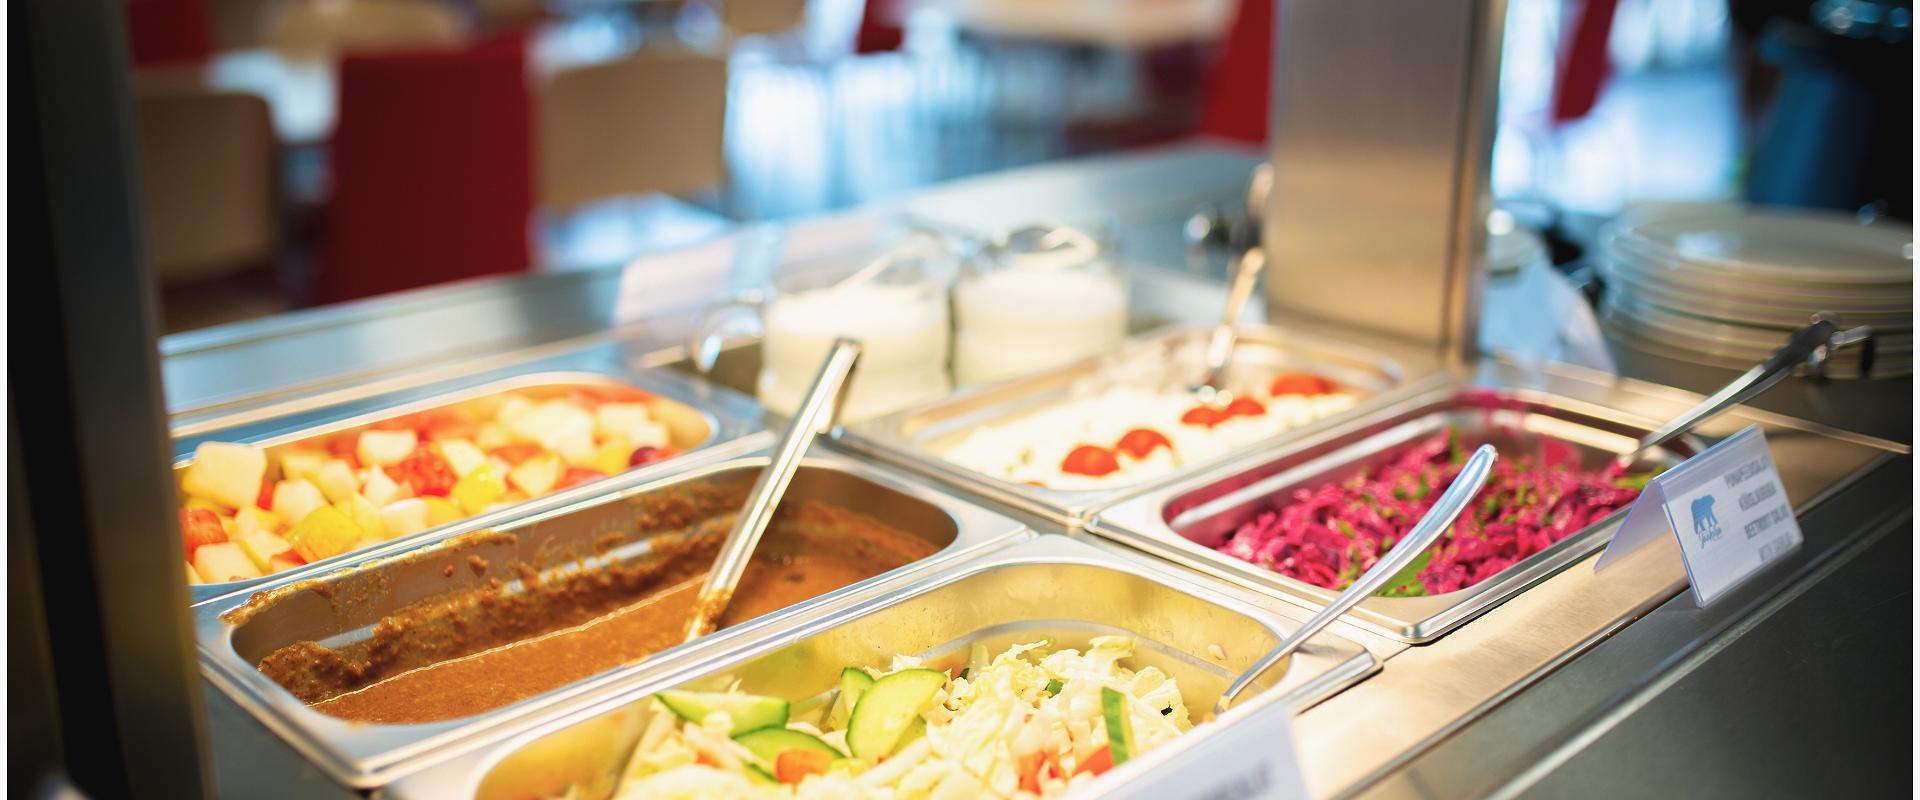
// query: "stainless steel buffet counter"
[[1543, 681]]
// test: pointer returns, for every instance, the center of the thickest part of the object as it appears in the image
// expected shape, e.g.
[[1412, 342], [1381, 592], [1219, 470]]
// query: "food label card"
[[1727, 508], [1251, 758]]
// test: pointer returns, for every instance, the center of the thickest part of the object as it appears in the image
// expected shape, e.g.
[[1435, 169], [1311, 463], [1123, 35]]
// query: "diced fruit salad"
[[250, 512], [1126, 434], [1029, 722]]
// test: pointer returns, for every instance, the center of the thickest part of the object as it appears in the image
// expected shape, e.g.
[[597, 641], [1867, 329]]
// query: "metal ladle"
[[1246, 272], [1455, 499], [1811, 345], [816, 415]]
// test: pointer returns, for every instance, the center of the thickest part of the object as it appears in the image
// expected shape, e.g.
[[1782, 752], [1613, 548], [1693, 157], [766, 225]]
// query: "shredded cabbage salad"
[[1029, 722], [1330, 535]]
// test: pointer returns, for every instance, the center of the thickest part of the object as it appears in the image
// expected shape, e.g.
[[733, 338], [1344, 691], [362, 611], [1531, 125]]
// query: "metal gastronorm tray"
[[235, 632], [915, 437], [703, 421], [1182, 521], [1013, 594]]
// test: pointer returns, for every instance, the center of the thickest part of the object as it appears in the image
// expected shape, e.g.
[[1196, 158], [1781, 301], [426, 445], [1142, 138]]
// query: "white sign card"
[[1250, 759], [1726, 506]]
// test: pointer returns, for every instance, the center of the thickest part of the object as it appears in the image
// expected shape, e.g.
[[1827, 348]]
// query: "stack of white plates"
[[1724, 285]]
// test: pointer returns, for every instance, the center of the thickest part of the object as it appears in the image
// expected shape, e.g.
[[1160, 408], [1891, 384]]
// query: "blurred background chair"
[[630, 131], [209, 196], [321, 30], [432, 170], [761, 17]]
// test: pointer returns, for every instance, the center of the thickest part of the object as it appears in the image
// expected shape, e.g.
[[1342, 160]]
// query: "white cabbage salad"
[[1029, 722]]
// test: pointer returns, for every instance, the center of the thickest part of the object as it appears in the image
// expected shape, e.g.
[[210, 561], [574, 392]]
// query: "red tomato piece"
[[1301, 383], [424, 471], [1245, 407], [198, 526], [1206, 416], [265, 499], [791, 766], [576, 476], [1141, 442], [1090, 460], [516, 452], [1029, 766], [345, 446], [1099, 762]]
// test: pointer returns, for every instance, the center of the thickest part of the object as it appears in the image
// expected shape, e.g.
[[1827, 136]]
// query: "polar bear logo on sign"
[[1705, 524]]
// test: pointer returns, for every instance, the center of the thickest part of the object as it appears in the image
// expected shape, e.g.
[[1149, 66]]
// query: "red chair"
[[168, 33], [1237, 94], [432, 170], [880, 28]]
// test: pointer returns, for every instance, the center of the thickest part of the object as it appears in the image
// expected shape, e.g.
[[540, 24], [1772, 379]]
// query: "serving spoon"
[[816, 415], [1454, 500], [1811, 345]]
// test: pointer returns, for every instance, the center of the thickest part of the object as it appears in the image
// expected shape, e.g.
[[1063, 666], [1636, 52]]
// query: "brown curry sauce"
[[477, 650]]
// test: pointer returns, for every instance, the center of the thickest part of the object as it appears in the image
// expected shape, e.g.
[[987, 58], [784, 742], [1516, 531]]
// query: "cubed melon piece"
[[262, 548], [228, 474], [364, 514], [492, 435], [336, 480], [536, 476], [220, 563], [550, 422], [293, 500], [250, 520], [513, 407], [325, 533], [296, 464], [380, 489], [616, 419], [479, 489], [461, 455], [402, 517], [282, 563], [612, 456], [576, 448], [193, 576], [440, 511], [650, 434], [386, 448]]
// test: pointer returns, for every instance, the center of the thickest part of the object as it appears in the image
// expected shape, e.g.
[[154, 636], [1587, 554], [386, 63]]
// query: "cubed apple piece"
[[461, 455], [296, 464], [293, 500], [403, 517], [650, 434], [492, 435], [611, 457], [364, 514], [616, 419], [386, 448], [380, 489], [550, 422], [228, 474], [325, 533], [440, 511], [263, 548], [576, 448], [249, 521], [479, 489], [336, 480], [219, 563], [536, 476], [512, 408], [282, 563]]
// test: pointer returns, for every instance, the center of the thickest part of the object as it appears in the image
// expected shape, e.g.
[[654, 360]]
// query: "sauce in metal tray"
[[483, 649]]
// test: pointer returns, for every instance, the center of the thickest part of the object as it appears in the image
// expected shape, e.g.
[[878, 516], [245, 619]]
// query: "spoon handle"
[[815, 416], [1246, 273], [1454, 500]]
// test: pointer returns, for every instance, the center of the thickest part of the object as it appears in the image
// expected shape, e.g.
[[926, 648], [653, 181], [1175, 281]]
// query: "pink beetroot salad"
[[1329, 535]]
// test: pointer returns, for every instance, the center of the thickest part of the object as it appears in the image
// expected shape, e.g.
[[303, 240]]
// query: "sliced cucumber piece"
[[853, 683], [768, 743], [748, 711], [760, 775], [889, 708], [1113, 705], [1054, 686]]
